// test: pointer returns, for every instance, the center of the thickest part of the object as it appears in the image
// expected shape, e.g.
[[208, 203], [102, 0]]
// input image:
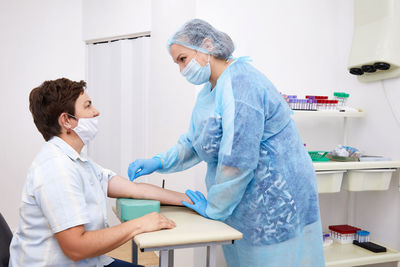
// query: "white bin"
[[329, 181], [368, 180]]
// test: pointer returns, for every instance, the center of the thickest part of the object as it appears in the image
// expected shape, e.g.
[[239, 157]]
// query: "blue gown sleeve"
[[242, 127], [179, 157]]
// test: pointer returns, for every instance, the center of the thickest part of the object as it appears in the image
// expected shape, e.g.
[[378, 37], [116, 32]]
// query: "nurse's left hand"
[[199, 200]]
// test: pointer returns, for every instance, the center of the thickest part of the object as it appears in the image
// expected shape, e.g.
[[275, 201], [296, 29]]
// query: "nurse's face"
[[182, 55]]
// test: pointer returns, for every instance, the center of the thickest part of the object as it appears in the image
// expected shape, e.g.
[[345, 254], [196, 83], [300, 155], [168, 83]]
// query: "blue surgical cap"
[[193, 33]]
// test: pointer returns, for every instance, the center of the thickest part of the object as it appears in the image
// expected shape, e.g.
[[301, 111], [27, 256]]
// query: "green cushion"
[[129, 209]]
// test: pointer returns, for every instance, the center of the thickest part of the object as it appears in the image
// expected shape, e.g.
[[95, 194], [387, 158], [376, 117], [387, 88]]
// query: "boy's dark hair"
[[49, 100]]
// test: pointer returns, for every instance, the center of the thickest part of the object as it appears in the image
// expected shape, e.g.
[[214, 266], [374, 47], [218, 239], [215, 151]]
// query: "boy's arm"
[[119, 187], [79, 244]]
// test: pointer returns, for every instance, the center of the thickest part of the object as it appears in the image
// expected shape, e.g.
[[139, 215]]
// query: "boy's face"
[[84, 107]]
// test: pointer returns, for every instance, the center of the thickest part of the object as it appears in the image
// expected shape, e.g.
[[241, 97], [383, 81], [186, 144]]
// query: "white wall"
[[105, 19], [293, 42], [40, 40]]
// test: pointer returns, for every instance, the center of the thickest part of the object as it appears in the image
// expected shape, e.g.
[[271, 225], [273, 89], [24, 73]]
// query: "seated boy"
[[62, 217]]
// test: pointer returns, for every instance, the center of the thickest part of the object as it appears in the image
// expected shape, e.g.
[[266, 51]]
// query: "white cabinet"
[[332, 177]]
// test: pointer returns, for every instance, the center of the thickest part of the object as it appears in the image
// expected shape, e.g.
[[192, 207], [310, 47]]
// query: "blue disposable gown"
[[260, 179]]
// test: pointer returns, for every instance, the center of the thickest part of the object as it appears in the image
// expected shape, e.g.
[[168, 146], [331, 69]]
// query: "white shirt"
[[62, 190]]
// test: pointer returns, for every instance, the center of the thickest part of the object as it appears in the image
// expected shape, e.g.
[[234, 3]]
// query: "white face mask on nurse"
[[193, 65]]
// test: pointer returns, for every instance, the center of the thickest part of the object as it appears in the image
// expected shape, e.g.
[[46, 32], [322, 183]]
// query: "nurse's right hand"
[[143, 166]]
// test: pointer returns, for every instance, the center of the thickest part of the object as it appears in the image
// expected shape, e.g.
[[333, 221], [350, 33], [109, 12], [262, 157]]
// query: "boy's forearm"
[[78, 244], [165, 196], [119, 187]]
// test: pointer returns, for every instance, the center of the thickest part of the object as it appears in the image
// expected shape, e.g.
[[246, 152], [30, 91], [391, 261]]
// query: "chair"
[[5, 240]]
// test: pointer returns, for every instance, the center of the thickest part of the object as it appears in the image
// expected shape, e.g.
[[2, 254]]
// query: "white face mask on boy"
[[86, 129]]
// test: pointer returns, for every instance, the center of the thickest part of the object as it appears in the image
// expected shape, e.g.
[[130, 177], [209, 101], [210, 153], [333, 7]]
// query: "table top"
[[191, 228]]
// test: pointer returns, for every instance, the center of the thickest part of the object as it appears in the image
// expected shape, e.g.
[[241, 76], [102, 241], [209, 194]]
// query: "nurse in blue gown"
[[260, 179]]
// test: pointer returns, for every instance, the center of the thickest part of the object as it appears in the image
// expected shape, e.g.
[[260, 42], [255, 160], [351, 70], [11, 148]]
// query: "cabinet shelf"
[[327, 113], [355, 165], [352, 255]]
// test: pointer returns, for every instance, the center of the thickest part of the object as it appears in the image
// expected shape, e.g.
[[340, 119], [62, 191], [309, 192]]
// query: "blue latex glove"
[[143, 166], [199, 200]]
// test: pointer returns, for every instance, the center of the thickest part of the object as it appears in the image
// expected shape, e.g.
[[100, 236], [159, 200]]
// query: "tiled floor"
[[124, 253]]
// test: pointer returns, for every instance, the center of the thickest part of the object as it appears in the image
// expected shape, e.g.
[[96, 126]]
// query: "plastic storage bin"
[[368, 180], [329, 181]]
